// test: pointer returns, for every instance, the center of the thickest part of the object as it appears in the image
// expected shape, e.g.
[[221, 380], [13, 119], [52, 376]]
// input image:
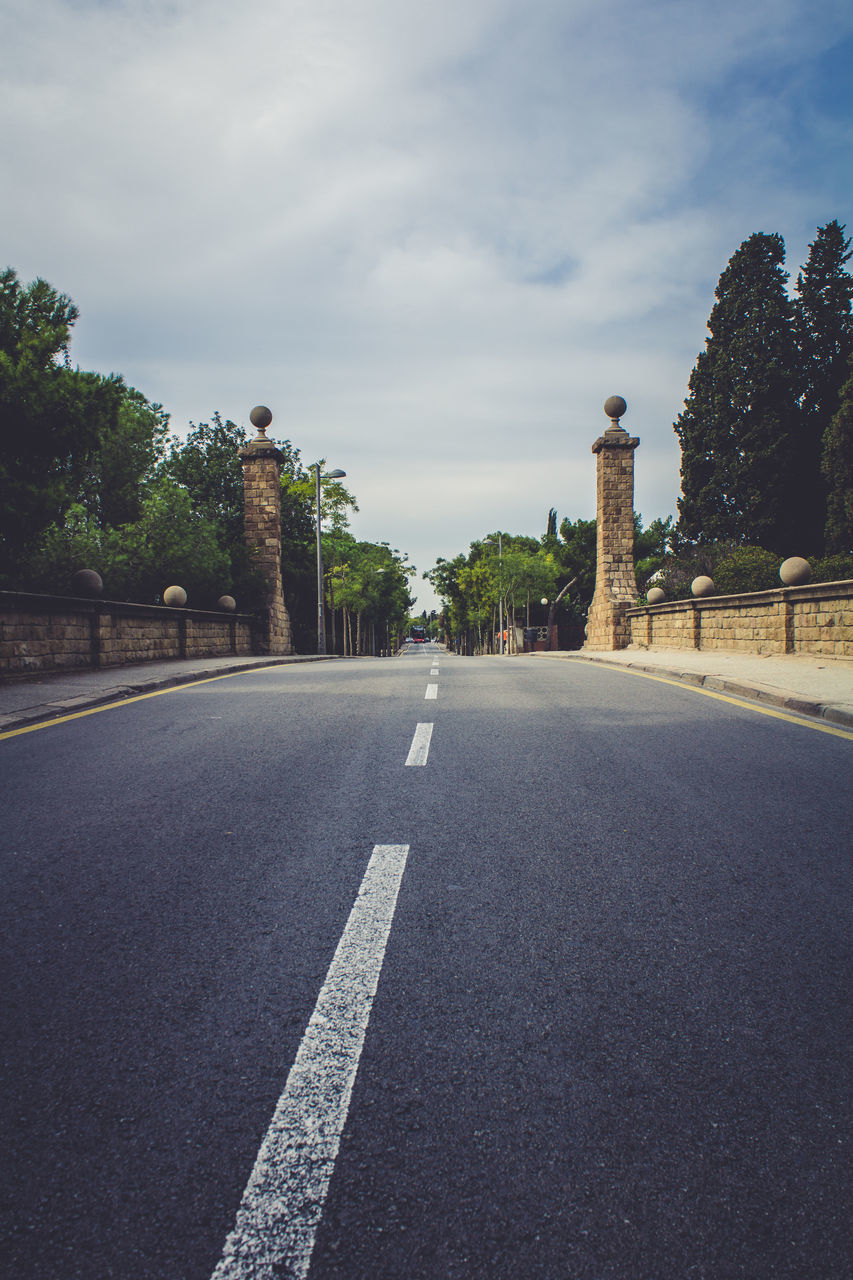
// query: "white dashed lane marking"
[[431, 691], [419, 750], [283, 1201]]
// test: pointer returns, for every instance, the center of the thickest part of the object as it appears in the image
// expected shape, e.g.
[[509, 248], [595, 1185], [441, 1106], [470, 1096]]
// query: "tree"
[[368, 584], [207, 464], [837, 466], [52, 418], [578, 557], [824, 335], [171, 542], [740, 425]]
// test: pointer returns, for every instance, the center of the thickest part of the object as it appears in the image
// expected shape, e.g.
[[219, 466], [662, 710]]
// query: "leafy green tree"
[[126, 459], [650, 548], [171, 542], [368, 585], [837, 465], [739, 430], [52, 418], [299, 539], [207, 465], [824, 334], [578, 556]]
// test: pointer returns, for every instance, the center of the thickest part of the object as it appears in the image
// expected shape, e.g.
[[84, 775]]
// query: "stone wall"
[[56, 633], [814, 619]]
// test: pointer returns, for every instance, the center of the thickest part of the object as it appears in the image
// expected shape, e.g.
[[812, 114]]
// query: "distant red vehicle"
[[419, 635]]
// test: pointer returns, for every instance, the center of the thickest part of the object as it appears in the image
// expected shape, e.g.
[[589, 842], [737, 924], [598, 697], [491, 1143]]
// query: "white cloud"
[[428, 235]]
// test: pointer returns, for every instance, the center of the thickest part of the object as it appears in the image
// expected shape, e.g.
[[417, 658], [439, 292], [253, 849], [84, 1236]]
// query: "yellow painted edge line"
[[747, 703], [125, 702]]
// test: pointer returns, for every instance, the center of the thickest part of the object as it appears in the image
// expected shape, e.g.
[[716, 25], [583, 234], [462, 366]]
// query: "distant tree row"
[[91, 478], [767, 428], [516, 572]]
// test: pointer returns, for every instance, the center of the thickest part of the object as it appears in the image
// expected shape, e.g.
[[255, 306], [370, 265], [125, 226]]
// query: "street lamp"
[[500, 584], [321, 620], [377, 573]]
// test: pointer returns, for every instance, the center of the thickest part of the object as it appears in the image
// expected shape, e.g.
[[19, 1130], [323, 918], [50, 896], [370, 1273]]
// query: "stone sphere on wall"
[[87, 583], [656, 595], [615, 406], [795, 571], [175, 597], [227, 604], [260, 417], [702, 586]]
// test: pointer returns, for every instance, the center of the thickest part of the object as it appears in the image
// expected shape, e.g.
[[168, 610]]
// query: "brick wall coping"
[[30, 601], [809, 591]]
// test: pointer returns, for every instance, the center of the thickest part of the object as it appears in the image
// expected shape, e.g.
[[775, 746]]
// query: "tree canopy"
[[759, 460], [738, 430], [519, 571]]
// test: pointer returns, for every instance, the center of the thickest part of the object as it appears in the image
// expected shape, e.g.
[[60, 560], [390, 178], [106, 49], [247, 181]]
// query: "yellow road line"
[[747, 703], [124, 702]]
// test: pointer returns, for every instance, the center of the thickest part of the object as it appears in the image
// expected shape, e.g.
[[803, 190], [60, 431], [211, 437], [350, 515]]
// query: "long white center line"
[[431, 691], [283, 1201], [419, 750]]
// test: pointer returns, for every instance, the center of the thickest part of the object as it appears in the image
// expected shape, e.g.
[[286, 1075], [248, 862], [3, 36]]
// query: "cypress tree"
[[740, 425], [838, 473], [824, 334]]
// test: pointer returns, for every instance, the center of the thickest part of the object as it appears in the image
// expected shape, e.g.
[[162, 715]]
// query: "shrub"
[[832, 569], [747, 569]]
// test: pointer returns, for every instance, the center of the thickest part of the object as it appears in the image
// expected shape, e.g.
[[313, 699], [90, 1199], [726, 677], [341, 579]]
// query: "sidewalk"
[[810, 686], [28, 699]]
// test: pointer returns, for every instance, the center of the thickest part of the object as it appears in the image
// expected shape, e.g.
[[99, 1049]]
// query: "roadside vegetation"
[[766, 439], [91, 478]]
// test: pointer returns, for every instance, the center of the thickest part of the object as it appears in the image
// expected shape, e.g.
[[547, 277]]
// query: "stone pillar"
[[615, 581], [262, 504]]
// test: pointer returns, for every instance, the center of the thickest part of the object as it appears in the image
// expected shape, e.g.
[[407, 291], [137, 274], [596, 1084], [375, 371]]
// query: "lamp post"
[[321, 620], [500, 585], [377, 573]]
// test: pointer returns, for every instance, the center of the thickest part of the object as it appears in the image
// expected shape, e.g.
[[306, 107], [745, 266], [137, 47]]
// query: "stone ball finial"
[[261, 417], [702, 586], [87, 583], [227, 604], [615, 407], [655, 595], [795, 571], [175, 597]]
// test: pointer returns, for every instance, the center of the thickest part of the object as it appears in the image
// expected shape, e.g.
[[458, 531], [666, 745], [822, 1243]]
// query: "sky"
[[432, 237]]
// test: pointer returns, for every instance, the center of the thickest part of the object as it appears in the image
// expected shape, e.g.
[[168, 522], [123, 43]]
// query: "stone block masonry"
[[816, 620], [262, 529], [615, 581], [56, 633]]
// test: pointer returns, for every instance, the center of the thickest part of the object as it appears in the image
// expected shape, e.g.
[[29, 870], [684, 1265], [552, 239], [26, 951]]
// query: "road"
[[606, 920]]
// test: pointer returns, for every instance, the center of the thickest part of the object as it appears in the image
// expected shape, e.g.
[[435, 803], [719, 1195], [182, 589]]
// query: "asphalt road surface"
[[432, 967]]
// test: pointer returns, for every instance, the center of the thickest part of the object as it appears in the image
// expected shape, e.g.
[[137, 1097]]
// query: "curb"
[[721, 684]]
